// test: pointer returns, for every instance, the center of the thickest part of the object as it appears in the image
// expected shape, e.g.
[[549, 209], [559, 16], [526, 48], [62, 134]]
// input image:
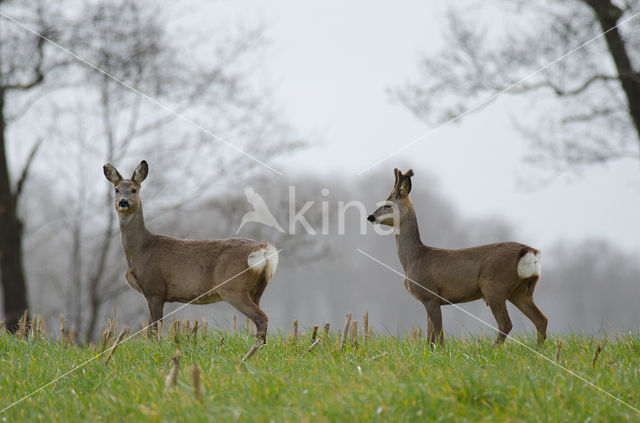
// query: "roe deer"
[[166, 269], [435, 276]]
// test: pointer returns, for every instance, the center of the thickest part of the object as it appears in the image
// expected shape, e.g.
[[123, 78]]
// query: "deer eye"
[[117, 191], [133, 191]]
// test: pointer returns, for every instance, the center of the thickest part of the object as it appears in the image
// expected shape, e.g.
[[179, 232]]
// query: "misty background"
[[319, 93]]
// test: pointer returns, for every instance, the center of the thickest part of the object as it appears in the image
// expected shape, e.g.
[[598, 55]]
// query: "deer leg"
[[429, 328], [156, 307], [499, 310], [258, 290], [247, 307], [434, 322], [526, 305]]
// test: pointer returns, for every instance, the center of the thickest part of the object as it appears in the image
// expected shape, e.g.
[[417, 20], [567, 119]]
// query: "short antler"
[[396, 175]]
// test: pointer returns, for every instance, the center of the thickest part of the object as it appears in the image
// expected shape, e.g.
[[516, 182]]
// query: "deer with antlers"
[[435, 276], [166, 269]]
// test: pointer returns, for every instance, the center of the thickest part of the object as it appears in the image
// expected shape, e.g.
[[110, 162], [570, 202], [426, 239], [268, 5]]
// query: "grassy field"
[[389, 379]]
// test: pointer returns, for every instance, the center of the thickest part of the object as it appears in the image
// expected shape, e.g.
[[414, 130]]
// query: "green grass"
[[391, 379]]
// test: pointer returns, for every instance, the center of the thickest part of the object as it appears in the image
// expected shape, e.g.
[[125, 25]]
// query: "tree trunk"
[[95, 302], [608, 15], [14, 288]]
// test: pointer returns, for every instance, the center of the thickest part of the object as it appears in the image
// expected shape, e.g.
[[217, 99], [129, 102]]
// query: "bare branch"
[[524, 87], [25, 170], [95, 301], [590, 116], [598, 107], [34, 99], [39, 73]]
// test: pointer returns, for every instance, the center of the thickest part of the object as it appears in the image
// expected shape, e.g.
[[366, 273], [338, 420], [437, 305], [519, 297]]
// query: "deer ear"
[[404, 187], [140, 173], [111, 173]]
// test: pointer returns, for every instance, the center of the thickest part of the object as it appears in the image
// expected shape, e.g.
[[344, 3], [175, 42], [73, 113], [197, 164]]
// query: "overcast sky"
[[331, 65]]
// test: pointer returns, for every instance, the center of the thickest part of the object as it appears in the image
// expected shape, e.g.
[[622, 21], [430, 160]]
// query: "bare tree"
[[136, 44], [26, 63], [588, 102], [107, 115]]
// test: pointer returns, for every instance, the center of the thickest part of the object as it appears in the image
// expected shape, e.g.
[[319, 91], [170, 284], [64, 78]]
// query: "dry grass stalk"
[[115, 319], [144, 327], [22, 325], [160, 330], [106, 335], [419, 333], [375, 357], [173, 329], [326, 328], [295, 331], [413, 332], [313, 346], [122, 334], [194, 328], [203, 323], [33, 327], [72, 337], [63, 331], [558, 348], [345, 330], [365, 324], [354, 333], [197, 382], [314, 334], [186, 326], [255, 347], [596, 355], [1, 324], [36, 330], [247, 326], [172, 378], [235, 322], [25, 320], [42, 327]]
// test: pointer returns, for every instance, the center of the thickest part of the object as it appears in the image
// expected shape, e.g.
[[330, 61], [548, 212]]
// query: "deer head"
[[392, 211], [127, 191]]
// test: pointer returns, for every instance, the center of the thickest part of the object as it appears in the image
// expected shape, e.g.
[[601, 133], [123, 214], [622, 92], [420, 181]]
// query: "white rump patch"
[[258, 259], [530, 265]]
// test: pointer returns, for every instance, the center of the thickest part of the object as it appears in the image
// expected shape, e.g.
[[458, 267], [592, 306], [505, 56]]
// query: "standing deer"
[[435, 276], [166, 269]]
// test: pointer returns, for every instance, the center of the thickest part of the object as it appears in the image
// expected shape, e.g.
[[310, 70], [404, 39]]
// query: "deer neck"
[[133, 233], [408, 237]]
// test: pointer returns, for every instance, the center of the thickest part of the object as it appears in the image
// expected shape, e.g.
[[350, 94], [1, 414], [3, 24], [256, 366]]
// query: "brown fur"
[[437, 276], [166, 269]]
